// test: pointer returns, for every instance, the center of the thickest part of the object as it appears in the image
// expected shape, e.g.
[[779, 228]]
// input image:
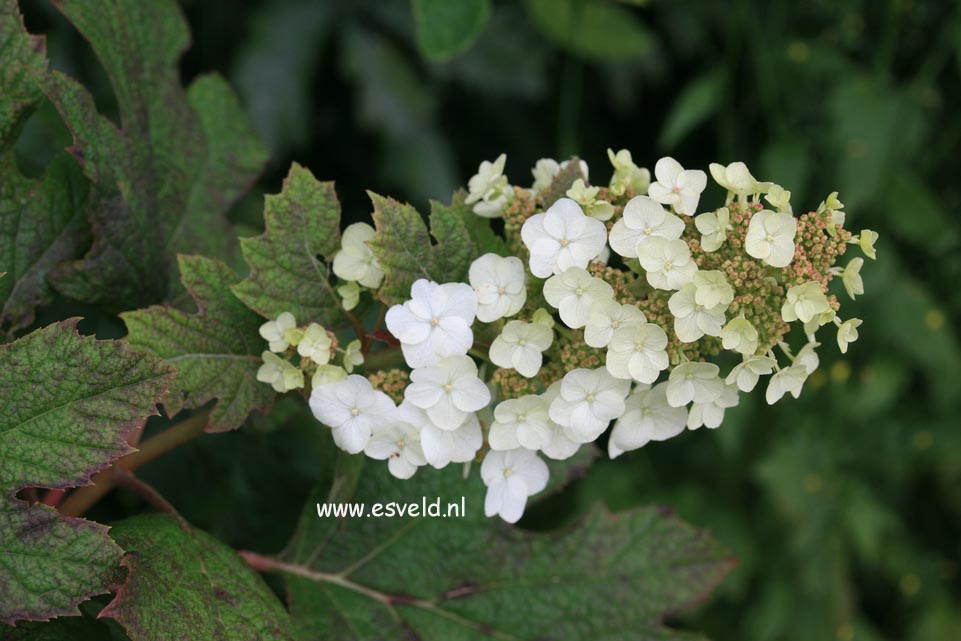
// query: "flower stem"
[[177, 434]]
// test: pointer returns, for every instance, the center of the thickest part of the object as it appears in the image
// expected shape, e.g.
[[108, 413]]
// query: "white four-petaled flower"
[[667, 262], [355, 261], [315, 344], [443, 447], [398, 442], [521, 422], [736, 178], [643, 217], [770, 237], [510, 478], [694, 382], [647, 417], [574, 292], [562, 237], [498, 282], [681, 188], [740, 335], [351, 408], [711, 414], [278, 333], [746, 373], [488, 190], [448, 391], [279, 373], [804, 302], [848, 333], [638, 352], [627, 175], [691, 319], [713, 227], [435, 322], [712, 289], [791, 379], [521, 346], [851, 277], [605, 317], [587, 401]]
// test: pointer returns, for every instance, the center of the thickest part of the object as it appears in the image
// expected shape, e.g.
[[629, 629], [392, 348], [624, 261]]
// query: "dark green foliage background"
[[843, 508]]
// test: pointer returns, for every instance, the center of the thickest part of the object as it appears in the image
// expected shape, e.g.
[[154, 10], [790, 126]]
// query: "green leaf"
[[185, 584], [41, 225], [608, 576], [593, 29], [481, 232], [699, 99], [288, 268], [445, 29], [164, 178], [22, 59], [216, 351], [76, 398], [404, 250], [41, 221]]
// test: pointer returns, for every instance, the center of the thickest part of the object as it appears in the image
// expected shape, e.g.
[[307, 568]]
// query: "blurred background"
[[843, 508]]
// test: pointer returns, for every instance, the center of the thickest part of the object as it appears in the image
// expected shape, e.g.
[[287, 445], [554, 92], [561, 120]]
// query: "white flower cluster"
[[645, 385]]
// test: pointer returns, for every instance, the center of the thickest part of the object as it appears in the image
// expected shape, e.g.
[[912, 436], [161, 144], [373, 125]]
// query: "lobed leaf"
[[403, 246], [216, 351], [41, 221], [288, 262], [22, 58], [217, 595], [608, 576], [76, 399], [164, 178]]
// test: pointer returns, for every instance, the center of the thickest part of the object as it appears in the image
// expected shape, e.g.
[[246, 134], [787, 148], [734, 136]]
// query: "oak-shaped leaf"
[[67, 403], [289, 261], [608, 576], [163, 179], [216, 350], [404, 249], [41, 221], [22, 60], [183, 583]]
